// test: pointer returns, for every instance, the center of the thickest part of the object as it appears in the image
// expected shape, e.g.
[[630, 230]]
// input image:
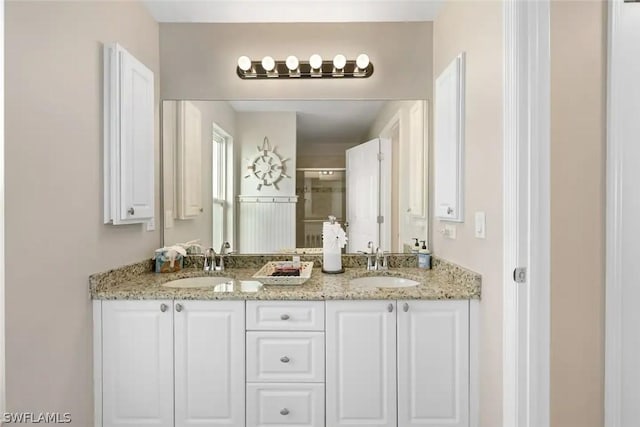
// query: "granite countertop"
[[135, 282]]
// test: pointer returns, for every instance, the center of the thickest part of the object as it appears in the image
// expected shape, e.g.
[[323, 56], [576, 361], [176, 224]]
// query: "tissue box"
[[163, 264]]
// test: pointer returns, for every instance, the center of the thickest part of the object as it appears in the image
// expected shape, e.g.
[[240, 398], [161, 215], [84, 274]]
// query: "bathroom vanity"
[[326, 353]]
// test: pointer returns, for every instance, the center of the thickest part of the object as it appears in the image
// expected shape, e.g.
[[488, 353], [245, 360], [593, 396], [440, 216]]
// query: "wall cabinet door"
[[137, 363], [129, 155], [433, 363], [189, 161], [361, 363], [449, 142], [209, 363]]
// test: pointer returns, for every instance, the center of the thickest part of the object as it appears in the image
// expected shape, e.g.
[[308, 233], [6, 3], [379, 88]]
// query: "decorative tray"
[[270, 273]]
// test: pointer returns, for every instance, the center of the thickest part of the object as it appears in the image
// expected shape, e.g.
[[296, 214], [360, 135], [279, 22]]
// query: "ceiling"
[[254, 11], [331, 121]]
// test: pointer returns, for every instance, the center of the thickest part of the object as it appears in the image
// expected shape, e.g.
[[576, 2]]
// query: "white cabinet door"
[[433, 363], [189, 161], [449, 142], [361, 363], [129, 143], [137, 154], [209, 363], [137, 357]]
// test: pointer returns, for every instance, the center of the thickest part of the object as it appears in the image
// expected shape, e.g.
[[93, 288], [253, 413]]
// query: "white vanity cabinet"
[[137, 363], [285, 363], [361, 363], [157, 354], [403, 363]]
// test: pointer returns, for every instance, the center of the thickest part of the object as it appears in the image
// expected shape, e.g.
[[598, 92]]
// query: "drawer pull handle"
[[284, 359], [284, 411], [405, 307], [390, 308], [163, 307], [179, 307], [284, 316]]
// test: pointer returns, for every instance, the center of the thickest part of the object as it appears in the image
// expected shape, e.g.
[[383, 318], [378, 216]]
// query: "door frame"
[[526, 223]]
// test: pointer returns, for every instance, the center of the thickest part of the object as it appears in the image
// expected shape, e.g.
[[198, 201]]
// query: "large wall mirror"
[[265, 175]]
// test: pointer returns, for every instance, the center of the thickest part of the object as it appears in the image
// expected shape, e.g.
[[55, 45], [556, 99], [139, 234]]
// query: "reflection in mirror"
[[265, 175]]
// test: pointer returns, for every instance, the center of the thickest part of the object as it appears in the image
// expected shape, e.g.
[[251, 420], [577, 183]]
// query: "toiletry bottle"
[[424, 257], [415, 248]]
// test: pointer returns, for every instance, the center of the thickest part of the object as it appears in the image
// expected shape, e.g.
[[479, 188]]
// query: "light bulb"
[[362, 61], [244, 63], [315, 61], [339, 61], [292, 63], [268, 63]]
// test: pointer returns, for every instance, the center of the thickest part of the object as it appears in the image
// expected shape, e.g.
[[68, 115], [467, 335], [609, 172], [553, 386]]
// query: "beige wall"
[[578, 99], [200, 227], [198, 61], [476, 28], [55, 237]]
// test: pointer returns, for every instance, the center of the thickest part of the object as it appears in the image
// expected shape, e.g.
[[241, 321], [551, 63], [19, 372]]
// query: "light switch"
[[481, 225], [151, 224], [449, 231]]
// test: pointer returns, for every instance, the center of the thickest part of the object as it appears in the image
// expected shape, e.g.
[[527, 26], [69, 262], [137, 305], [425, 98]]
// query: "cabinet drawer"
[[285, 356], [299, 405], [285, 315]]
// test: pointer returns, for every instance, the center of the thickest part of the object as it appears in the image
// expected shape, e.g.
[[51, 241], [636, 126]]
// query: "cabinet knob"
[[163, 307], [284, 411], [179, 307], [284, 316], [405, 307], [390, 308], [284, 359], [131, 211]]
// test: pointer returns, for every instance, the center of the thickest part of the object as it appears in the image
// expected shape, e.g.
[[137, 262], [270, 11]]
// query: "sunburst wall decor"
[[267, 167]]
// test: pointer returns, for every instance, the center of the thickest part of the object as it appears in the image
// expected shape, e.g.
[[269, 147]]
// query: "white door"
[[209, 363], [368, 180], [137, 153], [433, 363], [361, 363], [189, 160], [137, 352]]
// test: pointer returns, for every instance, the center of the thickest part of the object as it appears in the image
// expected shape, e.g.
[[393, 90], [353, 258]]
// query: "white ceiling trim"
[[265, 11]]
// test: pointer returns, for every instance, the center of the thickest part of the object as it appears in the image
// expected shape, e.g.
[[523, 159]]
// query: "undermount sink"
[[383, 282], [199, 282]]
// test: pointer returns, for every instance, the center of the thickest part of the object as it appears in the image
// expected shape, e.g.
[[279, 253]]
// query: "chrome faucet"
[[371, 257], [210, 262], [223, 254], [382, 260]]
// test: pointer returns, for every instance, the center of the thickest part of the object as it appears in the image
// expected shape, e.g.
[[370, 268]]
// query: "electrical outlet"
[[481, 225]]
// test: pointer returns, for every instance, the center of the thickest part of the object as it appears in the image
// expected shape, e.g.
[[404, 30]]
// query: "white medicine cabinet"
[[128, 138], [449, 142]]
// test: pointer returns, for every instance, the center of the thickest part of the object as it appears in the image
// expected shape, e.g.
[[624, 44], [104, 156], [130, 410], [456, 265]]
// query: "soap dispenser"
[[424, 257], [415, 249]]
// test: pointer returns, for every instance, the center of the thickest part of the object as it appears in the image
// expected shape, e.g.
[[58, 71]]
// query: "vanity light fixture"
[[315, 61], [293, 65], [339, 61], [269, 66], [316, 67]]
